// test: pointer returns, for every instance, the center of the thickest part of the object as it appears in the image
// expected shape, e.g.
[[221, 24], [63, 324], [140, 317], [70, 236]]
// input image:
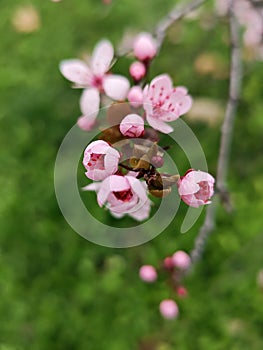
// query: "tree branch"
[[174, 15], [226, 137]]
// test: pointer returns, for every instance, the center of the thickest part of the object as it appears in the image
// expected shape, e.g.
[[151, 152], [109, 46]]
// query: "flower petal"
[[101, 57], [159, 125], [116, 87], [86, 123], [94, 186], [76, 71], [90, 102]]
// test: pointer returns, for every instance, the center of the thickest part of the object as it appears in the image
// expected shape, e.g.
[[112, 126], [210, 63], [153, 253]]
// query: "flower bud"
[[169, 309], [157, 161], [135, 96], [196, 188], [181, 260], [137, 70], [182, 292], [168, 263], [148, 273], [132, 126], [145, 47]]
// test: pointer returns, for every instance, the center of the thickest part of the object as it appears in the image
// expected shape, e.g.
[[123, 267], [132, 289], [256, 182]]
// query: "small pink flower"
[[157, 161], [181, 260], [95, 77], [148, 273], [124, 195], [164, 103], [135, 96], [145, 47], [132, 126], [169, 309], [196, 188], [100, 160], [137, 70]]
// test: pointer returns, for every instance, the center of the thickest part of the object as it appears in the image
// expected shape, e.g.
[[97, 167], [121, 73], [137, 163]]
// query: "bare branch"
[[174, 15], [226, 137]]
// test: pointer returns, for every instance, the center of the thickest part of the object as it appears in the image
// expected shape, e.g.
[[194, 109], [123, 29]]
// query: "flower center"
[[97, 82], [96, 161], [204, 192], [124, 196]]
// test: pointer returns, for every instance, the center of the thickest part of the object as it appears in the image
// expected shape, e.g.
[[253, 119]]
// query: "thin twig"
[[174, 15], [226, 137]]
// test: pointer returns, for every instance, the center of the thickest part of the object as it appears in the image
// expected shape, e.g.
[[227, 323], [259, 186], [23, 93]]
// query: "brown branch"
[[226, 137], [174, 15]]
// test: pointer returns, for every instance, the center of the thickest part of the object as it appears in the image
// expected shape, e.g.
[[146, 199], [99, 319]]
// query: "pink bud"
[[169, 309], [135, 96], [168, 263], [145, 47], [182, 292], [181, 260], [157, 161], [148, 273], [137, 70], [132, 126], [196, 188]]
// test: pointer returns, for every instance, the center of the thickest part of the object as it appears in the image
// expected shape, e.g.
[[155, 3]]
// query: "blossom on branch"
[[100, 160], [163, 103], [132, 126], [95, 77], [196, 188]]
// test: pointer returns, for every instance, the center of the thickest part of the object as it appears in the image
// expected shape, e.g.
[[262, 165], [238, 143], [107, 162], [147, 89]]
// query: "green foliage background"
[[57, 290]]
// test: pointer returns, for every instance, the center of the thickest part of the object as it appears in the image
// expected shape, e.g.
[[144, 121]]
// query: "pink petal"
[[159, 125], [113, 183], [187, 187], [137, 188], [90, 102], [86, 123], [182, 102], [111, 160], [198, 176], [76, 71], [99, 147], [116, 87], [101, 57], [94, 186], [162, 84]]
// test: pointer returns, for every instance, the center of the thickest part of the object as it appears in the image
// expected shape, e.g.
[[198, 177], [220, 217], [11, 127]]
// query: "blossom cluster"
[[124, 176], [174, 268]]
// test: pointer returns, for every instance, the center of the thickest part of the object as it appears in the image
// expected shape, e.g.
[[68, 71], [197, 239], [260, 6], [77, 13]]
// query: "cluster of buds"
[[174, 268], [125, 161]]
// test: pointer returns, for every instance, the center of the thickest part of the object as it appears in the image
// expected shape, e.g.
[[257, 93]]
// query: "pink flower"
[[145, 47], [181, 260], [100, 160], [148, 273], [132, 126], [196, 188], [137, 70], [169, 309], [94, 77], [163, 103], [135, 96], [124, 195]]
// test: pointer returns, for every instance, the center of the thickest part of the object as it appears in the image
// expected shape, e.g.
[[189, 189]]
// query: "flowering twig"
[[174, 15], [226, 137]]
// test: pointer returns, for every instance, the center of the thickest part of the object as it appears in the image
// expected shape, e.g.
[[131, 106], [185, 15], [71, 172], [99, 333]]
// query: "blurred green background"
[[59, 291]]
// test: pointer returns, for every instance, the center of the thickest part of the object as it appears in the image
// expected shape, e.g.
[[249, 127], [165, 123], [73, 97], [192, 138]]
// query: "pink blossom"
[[196, 188], [132, 126], [168, 263], [169, 309], [145, 47], [135, 96], [164, 103], [182, 292], [181, 260], [137, 70], [95, 77], [148, 273], [124, 195], [100, 160]]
